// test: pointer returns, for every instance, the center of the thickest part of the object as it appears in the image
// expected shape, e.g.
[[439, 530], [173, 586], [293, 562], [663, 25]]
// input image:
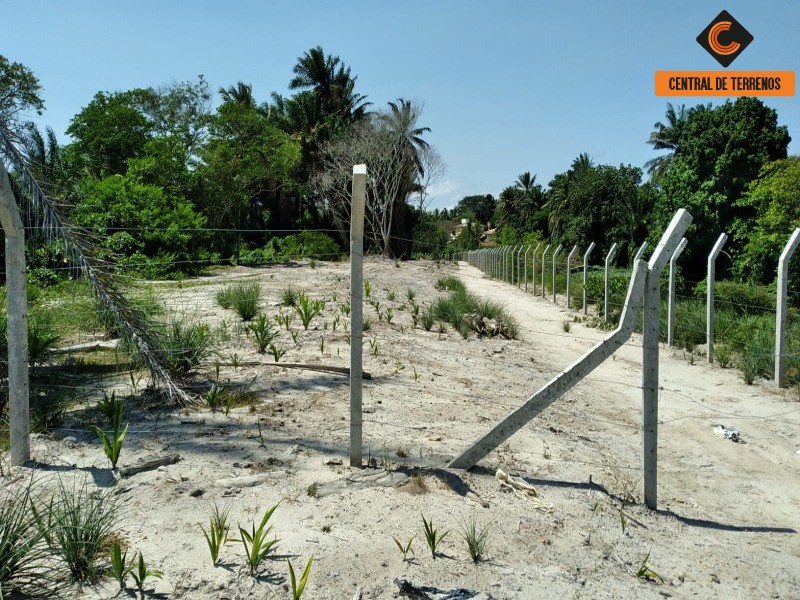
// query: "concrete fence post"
[[640, 252], [525, 262], [650, 330], [533, 269], [555, 254], [514, 252], [585, 273], [519, 266], [569, 274], [671, 301], [607, 286], [356, 311], [780, 316], [16, 325], [544, 263], [710, 278]]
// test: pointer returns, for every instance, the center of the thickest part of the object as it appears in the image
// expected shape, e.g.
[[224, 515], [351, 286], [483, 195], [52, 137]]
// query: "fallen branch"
[[149, 464]]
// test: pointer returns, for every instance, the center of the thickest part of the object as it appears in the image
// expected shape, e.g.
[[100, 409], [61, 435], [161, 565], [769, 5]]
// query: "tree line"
[[166, 184], [727, 165]]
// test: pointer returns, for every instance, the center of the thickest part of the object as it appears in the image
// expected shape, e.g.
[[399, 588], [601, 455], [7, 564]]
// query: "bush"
[[24, 553], [242, 297], [461, 310], [184, 345], [76, 526], [743, 298]]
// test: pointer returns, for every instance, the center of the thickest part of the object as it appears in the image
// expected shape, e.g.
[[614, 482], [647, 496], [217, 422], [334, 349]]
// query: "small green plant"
[[255, 543], [404, 549], [236, 360], [298, 587], [411, 294], [389, 314], [427, 319], [565, 325], [388, 463], [142, 572], [623, 520], [432, 536], [344, 308], [645, 572], [307, 309], [335, 323], [392, 296], [119, 564], [312, 263], [277, 352], [691, 358], [215, 397], [111, 407], [294, 333], [112, 445], [396, 264], [224, 297], [373, 344], [367, 288], [475, 538], [76, 524], [289, 296], [312, 490], [723, 355], [416, 375], [218, 529], [244, 299], [263, 333], [366, 324], [184, 345]]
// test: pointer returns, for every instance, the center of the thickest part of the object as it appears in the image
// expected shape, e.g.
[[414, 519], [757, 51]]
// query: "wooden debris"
[[148, 464]]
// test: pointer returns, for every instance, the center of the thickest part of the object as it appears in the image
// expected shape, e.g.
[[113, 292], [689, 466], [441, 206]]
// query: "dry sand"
[[728, 513]]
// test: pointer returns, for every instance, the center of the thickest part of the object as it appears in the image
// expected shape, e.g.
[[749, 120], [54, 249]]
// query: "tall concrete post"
[[780, 317], [585, 272], [710, 279], [569, 274], [671, 301], [544, 263], [533, 268], [607, 286], [356, 311], [555, 254]]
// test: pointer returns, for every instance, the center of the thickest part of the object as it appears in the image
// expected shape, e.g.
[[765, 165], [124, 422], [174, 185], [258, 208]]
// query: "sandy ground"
[[728, 512]]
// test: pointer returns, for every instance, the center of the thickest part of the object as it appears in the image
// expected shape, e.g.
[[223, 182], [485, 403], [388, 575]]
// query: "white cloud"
[[446, 194]]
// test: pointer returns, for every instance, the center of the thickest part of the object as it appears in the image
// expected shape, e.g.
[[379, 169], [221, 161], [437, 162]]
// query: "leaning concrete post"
[[671, 301], [533, 268], [640, 251], [544, 253], [607, 300], [780, 318], [356, 310], [650, 330], [569, 274], [17, 324], [712, 259], [585, 272], [555, 254]]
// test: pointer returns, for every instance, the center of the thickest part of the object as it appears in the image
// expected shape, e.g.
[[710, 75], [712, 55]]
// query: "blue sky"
[[507, 86]]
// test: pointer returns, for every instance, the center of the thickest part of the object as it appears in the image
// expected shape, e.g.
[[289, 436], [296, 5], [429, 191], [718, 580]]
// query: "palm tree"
[[402, 122], [241, 93], [666, 137]]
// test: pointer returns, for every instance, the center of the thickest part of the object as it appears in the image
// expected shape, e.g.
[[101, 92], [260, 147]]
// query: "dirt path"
[[728, 512]]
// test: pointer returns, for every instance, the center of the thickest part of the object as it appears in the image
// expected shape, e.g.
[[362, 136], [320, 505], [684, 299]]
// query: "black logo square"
[[725, 38]]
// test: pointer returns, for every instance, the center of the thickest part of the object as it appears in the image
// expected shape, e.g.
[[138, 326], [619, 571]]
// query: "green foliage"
[[24, 553], [450, 284], [142, 572], [404, 549], [112, 445], [432, 536], [112, 407], [719, 152], [478, 208], [476, 539], [277, 351], [244, 298], [461, 309], [255, 543], [263, 333], [217, 533], [307, 309], [119, 564], [774, 198], [184, 345], [645, 572], [20, 91], [76, 526], [298, 587], [289, 296]]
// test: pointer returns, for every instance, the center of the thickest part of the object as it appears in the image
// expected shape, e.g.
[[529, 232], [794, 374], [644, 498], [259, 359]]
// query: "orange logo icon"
[[725, 38]]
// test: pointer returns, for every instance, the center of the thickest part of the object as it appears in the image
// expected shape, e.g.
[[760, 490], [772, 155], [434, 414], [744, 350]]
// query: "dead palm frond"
[[105, 283]]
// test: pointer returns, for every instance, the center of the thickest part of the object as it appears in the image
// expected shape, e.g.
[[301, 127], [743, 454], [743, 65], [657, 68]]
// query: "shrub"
[[76, 525], [184, 345], [289, 296], [244, 299], [24, 553]]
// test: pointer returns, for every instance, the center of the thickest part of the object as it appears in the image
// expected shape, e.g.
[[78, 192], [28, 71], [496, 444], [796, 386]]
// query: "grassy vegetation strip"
[[466, 312]]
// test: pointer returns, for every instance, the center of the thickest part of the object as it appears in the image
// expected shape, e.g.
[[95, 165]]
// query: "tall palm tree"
[[401, 120], [666, 136]]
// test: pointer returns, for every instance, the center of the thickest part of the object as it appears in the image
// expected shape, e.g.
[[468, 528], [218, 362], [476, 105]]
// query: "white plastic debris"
[[728, 433]]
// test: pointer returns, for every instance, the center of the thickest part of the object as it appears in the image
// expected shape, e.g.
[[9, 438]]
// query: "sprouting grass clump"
[[242, 297], [24, 552], [185, 345], [476, 539], [263, 333], [76, 525], [432, 536], [255, 543], [224, 297], [450, 284], [289, 296], [217, 533]]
